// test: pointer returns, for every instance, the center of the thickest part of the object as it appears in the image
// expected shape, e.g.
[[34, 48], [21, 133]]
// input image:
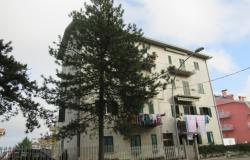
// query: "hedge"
[[221, 149]]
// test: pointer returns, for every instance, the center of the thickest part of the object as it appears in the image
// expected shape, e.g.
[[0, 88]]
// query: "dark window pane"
[[61, 117], [151, 108], [108, 144]]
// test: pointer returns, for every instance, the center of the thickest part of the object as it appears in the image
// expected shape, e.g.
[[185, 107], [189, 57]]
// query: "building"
[[234, 117], [2, 131], [192, 97]]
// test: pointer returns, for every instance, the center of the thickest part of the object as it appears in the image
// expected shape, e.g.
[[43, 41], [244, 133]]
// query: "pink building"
[[234, 117]]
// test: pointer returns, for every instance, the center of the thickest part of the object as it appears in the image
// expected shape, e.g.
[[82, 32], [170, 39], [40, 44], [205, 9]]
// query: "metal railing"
[[14, 153], [150, 152]]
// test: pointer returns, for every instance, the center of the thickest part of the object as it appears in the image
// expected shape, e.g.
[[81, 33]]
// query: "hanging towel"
[[190, 123], [206, 119], [201, 124], [158, 119]]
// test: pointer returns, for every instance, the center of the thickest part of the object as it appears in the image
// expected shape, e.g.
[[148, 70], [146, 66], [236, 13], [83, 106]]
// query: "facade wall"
[[239, 119], [163, 101]]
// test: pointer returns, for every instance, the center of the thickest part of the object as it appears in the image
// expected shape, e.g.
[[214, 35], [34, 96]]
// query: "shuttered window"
[[205, 111], [196, 66], [200, 88], [169, 60], [210, 137], [151, 108], [108, 144], [186, 89], [61, 117]]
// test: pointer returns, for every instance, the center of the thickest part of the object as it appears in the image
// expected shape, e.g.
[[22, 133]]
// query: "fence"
[[128, 153], [14, 153]]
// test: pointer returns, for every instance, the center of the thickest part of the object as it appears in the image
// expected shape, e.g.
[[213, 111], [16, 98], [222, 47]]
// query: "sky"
[[222, 27]]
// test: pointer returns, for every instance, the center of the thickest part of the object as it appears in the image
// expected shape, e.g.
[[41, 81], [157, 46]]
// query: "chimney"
[[224, 93], [242, 98]]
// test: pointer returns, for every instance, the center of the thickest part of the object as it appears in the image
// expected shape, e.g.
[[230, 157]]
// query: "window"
[[154, 139], [62, 145], [136, 141], [141, 108], [182, 64], [108, 144], [205, 111], [61, 115], [186, 88], [210, 137], [151, 108], [200, 88], [111, 107], [154, 142], [169, 60], [190, 110], [199, 139], [196, 66], [168, 139], [177, 110]]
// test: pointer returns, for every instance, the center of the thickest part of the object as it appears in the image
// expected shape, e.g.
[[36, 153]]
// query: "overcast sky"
[[221, 26]]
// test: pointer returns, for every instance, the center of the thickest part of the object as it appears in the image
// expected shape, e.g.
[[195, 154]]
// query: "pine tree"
[[25, 144], [105, 66], [17, 91]]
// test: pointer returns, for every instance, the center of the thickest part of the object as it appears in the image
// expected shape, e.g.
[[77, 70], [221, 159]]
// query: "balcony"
[[224, 114], [227, 127], [147, 120], [181, 72], [186, 98]]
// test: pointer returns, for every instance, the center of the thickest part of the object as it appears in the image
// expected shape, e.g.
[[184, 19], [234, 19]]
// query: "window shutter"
[[201, 111], [61, 117], [169, 60], [195, 110], [209, 112], [154, 139], [151, 107], [199, 139]]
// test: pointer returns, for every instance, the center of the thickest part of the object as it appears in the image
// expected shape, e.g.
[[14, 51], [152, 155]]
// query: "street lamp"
[[173, 100]]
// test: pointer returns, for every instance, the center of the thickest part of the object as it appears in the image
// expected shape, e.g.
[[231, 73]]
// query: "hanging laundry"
[[207, 119], [158, 119], [190, 136], [190, 123], [200, 119]]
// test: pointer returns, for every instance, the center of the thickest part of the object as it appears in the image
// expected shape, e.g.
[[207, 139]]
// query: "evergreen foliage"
[[25, 144], [105, 67], [17, 91]]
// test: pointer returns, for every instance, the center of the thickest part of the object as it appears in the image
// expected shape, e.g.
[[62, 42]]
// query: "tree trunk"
[[101, 133], [101, 107]]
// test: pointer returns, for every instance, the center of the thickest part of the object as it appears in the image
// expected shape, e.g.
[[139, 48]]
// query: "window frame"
[[108, 148], [196, 66]]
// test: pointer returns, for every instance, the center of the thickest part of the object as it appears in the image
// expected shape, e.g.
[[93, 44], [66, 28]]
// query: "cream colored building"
[[193, 94]]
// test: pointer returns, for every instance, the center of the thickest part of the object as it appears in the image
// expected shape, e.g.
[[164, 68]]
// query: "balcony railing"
[[227, 127], [224, 114], [181, 72], [147, 120]]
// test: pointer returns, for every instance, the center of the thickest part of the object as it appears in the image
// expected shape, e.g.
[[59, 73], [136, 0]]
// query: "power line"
[[218, 78]]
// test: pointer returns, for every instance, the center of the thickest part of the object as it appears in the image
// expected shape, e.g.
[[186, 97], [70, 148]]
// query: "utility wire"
[[218, 78]]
